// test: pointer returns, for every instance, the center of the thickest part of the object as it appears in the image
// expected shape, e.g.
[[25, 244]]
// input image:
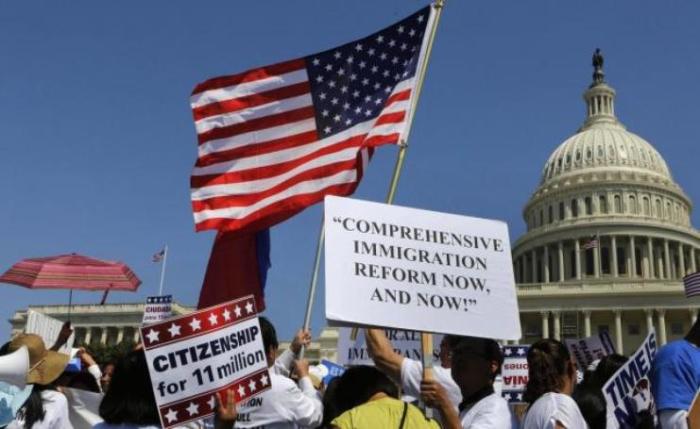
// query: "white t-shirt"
[[412, 375], [491, 412], [56, 413], [551, 408], [284, 406]]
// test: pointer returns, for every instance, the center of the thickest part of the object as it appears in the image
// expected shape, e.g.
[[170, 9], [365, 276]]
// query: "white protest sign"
[[48, 329], [589, 349], [192, 358], [514, 372], [405, 343], [157, 308], [629, 391], [419, 270]]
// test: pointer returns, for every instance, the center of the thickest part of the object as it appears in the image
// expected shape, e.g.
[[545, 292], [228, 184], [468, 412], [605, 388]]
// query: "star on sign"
[[174, 330], [249, 308], [251, 386], [508, 352], [212, 319], [171, 415], [506, 396], [152, 336], [211, 402], [316, 61], [263, 380], [521, 351], [241, 391], [237, 310], [227, 314], [193, 409], [196, 324]]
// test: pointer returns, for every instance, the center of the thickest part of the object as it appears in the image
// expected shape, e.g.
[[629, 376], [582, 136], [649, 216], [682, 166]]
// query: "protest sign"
[[334, 370], [514, 372], [414, 269], [192, 358], [405, 343], [48, 329], [629, 391], [589, 349], [157, 308]]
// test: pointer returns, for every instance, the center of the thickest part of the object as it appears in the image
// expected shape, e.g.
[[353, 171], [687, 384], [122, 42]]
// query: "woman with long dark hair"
[[551, 381]]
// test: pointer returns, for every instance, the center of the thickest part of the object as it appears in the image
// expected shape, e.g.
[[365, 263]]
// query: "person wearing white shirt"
[[551, 380], [409, 372], [287, 405], [475, 363]]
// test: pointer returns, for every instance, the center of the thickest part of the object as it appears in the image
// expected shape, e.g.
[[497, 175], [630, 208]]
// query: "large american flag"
[[276, 139], [691, 284]]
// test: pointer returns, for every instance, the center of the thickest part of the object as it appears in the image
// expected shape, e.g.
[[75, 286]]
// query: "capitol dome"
[[608, 236]]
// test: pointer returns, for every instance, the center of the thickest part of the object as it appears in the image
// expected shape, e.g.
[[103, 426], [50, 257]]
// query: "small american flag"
[[158, 256], [691, 283], [592, 243], [276, 139]]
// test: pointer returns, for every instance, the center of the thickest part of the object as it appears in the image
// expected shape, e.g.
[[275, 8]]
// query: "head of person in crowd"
[[269, 337], [359, 384], [82, 380], [330, 409], [107, 372], [475, 363], [550, 369], [130, 399], [446, 345], [592, 404]]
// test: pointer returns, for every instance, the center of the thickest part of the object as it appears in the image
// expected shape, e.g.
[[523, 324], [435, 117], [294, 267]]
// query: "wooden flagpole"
[[396, 175]]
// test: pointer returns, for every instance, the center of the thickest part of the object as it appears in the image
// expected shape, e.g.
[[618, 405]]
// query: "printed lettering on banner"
[[419, 270], [194, 358], [589, 349], [48, 329], [405, 343], [514, 372], [157, 308], [628, 391], [334, 370]]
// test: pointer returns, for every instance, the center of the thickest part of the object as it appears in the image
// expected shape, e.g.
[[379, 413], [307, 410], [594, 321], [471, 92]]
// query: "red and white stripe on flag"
[[691, 284], [277, 139]]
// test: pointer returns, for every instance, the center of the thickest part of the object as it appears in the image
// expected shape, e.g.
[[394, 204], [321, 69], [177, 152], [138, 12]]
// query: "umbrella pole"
[[70, 302]]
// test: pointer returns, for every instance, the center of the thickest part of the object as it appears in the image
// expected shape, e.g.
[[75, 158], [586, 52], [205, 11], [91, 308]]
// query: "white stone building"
[[607, 185]]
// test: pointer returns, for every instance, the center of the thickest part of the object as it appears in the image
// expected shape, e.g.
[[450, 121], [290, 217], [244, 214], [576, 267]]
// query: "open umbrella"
[[71, 272]]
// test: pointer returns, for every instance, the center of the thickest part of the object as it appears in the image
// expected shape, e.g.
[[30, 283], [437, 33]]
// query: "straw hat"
[[44, 365]]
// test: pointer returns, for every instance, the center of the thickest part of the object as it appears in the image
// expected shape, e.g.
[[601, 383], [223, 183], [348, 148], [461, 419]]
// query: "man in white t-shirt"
[[287, 404], [409, 372], [475, 363]]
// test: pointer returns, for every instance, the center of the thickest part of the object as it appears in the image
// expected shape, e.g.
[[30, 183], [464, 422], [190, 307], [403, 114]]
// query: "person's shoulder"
[[676, 350], [280, 382], [54, 396]]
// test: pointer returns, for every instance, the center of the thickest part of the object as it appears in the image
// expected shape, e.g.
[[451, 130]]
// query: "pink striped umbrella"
[[71, 272]]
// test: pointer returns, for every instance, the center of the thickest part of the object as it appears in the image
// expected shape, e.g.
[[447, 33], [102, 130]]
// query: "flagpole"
[[162, 270], [398, 167]]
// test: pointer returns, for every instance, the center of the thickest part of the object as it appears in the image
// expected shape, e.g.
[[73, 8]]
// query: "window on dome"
[[578, 155], [646, 207], [589, 262], [600, 151], [668, 210], [605, 260], [659, 209], [589, 153], [603, 204], [561, 211], [568, 159], [574, 208], [633, 204], [589, 206], [617, 204], [621, 260]]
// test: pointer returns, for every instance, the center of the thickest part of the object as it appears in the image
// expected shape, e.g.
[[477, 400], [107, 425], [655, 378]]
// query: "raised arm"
[[383, 354]]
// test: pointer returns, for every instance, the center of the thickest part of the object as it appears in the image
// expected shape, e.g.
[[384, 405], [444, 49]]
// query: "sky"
[[97, 141]]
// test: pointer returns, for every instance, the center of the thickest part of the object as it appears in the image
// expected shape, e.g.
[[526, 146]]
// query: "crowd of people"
[[460, 392]]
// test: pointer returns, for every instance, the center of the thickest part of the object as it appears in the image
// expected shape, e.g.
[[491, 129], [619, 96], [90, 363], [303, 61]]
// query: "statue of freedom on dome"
[[598, 74]]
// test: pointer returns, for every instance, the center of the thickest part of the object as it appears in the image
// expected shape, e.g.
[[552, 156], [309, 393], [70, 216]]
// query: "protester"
[[107, 371], [285, 404], [45, 408], [409, 372], [551, 380], [367, 399], [475, 363], [675, 378], [588, 394]]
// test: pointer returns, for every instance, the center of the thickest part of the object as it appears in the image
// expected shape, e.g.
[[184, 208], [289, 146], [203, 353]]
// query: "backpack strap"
[[403, 416]]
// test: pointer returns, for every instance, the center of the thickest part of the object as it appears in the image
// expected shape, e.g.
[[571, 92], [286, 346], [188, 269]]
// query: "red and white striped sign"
[[193, 358]]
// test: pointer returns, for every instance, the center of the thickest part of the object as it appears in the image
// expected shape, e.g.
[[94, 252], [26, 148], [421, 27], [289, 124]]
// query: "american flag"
[[158, 256], [691, 283], [592, 243], [276, 139]]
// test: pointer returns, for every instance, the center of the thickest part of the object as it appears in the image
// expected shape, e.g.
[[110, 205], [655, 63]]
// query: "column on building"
[[586, 323], [649, 261], [597, 269], [661, 315], [693, 313], [681, 260], [692, 259], [650, 319], [533, 254], [88, 336], [660, 264], [120, 335], [633, 259], [557, 325], [613, 250], [560, 256], [545, 324], [618, 331], [136, 335], [667, 261], [545, 265], [577, 253], [103, 337]]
